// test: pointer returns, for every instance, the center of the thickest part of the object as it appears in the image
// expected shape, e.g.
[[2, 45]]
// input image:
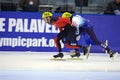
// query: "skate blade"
[[71, 53], [87, 54], [75, 58], [58, 59]]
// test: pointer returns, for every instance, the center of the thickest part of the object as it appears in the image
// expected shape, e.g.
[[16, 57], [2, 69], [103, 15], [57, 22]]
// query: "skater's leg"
[[57, 43], [92, 35], [57, 39], [71, 42]]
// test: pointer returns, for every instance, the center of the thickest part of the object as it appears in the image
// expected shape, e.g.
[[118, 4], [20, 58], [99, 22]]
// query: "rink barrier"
[[26, 31]]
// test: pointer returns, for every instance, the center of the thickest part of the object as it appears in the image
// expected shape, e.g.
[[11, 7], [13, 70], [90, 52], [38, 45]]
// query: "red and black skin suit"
[[66, 32]]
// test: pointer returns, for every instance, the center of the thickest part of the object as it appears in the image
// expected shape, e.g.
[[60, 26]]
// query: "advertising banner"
[[26, 31]]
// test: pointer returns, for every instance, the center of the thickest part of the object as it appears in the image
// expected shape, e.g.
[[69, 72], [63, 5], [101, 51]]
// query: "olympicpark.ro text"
[[27, 42]]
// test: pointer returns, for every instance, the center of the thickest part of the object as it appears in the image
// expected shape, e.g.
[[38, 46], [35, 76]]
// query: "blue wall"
[[28, 32]]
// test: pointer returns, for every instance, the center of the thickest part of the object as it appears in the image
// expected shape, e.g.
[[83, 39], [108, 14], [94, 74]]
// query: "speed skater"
[[66, 31], [83, 26]]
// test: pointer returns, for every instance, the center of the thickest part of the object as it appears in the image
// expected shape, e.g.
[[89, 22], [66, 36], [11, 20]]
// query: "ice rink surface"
[[38, 66]]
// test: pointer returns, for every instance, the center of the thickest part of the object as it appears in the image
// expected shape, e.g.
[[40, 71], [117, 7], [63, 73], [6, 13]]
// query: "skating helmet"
[[47, 14], [66, 15]]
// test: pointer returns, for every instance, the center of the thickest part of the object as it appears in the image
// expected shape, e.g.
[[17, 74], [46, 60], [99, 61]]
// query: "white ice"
[[38, 66]]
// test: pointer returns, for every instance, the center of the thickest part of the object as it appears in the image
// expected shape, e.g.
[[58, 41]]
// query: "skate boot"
[[113, 54], [85, 50], [60, 55], [77, 54], [72, 52]]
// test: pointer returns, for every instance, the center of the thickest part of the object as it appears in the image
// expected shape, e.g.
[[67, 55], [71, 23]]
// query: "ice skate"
[[60, 55], [77, 54], [113, 55], [85, 50], [72, 52]]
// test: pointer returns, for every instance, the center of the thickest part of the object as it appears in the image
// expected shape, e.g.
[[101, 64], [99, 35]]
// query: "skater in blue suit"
[[83, 27]]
